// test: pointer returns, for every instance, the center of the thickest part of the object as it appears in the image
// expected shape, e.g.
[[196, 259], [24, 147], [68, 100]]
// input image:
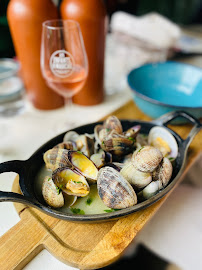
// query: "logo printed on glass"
[[61, 63]]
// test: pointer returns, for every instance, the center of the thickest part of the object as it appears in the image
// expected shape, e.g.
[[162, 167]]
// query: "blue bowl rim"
[[154, 100]]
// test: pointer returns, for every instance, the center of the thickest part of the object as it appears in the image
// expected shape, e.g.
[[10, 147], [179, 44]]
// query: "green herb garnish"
[[58, 190], [79, 152], [89, 201], [171, 158], [107, 129], [77, 182], [140, 149], [49, 179], [77, 211], [103, 142], [111, 210], [131, 139]]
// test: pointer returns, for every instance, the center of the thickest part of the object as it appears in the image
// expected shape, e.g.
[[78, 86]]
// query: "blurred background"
[[183, 12]]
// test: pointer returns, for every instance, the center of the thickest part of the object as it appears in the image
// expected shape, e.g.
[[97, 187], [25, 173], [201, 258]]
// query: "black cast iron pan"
[[28, 170]]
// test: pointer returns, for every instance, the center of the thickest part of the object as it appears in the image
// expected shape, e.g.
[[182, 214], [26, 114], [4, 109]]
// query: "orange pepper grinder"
[[25, 19], [91, 14]]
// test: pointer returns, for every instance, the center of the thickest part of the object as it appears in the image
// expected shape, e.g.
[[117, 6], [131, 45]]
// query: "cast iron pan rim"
[[105, 216]]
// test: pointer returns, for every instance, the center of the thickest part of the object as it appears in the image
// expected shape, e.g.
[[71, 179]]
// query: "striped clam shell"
[[147, 159], [50, 193], [114, 190], [163, 172], [56, 158]]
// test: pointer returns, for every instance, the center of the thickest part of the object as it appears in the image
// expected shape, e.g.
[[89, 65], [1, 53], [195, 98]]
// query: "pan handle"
[[167, 118], [18, 167]]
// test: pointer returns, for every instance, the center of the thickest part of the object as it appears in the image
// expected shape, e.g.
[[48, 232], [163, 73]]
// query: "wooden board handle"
[[21, 243]]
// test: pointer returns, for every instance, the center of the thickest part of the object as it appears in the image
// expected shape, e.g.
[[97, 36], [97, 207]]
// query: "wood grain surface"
[[85, 246]]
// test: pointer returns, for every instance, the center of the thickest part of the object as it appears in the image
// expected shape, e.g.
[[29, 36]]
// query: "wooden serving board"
[[85, 246]]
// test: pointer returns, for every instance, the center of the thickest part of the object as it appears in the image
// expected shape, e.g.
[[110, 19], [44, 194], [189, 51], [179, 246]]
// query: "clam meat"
[[101, 158], [114, 190], [71, 182], [83, 165], [162, 139]]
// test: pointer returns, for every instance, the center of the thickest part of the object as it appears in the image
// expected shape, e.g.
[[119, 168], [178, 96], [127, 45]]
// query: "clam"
[[66, 145], [55, 158], [113, 123], [141, 139], [114, 190], [149, 190], [132, 132], [118, 146], [162, 139], [147, 158], [51, 193], [71, 182], [134, 177], [163, 172], [101, 158], [84, 143], [84, 165], [104, 132], [71, 136]]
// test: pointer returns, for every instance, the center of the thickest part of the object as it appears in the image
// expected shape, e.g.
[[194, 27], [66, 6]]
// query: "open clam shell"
[[163, 172], [114, 190], [113, 123], [132, 132], [84, 165], [101, 158], [71, 182], [162, 139], [118, 146], [52, 196], [85, 144]]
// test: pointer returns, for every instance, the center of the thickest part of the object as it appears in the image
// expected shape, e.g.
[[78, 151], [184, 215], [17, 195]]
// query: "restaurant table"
[[174, 232], [133, 223]]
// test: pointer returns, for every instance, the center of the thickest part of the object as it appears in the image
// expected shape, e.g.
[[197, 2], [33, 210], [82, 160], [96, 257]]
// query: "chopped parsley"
[[77, 182], [49, 179], [140, 149], [79, 152], [89, 201], [58, 190], [77, 211], [171, 158], [111, 210], [131, 139]]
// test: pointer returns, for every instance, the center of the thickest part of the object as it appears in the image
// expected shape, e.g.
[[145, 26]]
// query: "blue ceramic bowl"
[[164, 87]]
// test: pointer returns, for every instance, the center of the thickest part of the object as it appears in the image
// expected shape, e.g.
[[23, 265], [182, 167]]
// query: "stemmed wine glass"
[[64, 62]]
